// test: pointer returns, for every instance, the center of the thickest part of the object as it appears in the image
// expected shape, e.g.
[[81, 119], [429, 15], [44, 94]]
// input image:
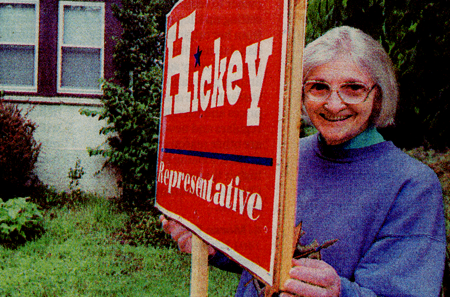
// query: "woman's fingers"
[[172, 227], [178, 231], [311, 277], [181, 235], [185, 242], [299, 288], [167, 226], [315, 272]]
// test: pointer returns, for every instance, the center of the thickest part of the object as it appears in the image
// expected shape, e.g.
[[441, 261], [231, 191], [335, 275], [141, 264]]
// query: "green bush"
[[144, 228], [132, 99], [132, 138], [20, 221], [18, 151]]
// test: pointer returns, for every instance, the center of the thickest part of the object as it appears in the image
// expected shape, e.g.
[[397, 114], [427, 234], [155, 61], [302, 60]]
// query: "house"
[[52, 57]]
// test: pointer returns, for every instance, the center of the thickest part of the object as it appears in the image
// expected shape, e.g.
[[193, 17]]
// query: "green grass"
[[78, 256]]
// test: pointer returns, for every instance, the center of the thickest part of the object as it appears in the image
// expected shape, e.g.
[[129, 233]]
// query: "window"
[[80, 47], [19, 35]]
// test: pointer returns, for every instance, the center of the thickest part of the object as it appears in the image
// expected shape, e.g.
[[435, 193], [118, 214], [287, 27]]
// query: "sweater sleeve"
[[408, 255], [399, 267], [221, 261]]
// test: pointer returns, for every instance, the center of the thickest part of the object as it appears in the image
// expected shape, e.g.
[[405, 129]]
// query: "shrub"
[[20, 221], [144, 228], [132, 99], [18, 151], [132, 138]]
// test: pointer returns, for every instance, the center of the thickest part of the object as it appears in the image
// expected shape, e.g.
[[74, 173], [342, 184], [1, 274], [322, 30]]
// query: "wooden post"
[[289, 170], [199, 268]]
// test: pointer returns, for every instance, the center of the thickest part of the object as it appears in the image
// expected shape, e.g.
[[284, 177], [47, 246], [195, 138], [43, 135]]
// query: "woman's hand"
[[312, 278], [181, 235]]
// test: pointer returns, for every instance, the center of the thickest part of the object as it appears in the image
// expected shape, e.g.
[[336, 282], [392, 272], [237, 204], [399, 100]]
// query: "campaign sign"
[[221, 121]]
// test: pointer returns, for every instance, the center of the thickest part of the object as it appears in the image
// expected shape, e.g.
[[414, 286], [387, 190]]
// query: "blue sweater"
[[386, 210]]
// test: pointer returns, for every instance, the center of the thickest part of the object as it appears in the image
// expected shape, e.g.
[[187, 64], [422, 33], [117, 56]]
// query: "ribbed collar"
[[365, 145], [368, 137]]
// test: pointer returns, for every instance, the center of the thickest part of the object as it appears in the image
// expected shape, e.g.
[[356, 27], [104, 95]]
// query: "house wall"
[[64, 133], [65, 136]]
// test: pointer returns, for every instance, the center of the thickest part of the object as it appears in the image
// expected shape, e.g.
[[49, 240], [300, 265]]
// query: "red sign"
[[221, 121]]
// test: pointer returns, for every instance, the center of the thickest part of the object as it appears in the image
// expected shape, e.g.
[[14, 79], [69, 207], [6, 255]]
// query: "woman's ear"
[[377, 105]]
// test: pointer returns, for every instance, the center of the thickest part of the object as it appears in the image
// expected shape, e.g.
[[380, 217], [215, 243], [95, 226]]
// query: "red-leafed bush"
[[18, 151]]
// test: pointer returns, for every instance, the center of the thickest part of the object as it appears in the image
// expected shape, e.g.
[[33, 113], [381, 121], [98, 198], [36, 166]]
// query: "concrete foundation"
[[65, 135]]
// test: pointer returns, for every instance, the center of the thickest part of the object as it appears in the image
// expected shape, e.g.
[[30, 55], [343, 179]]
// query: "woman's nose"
[[334, 103]]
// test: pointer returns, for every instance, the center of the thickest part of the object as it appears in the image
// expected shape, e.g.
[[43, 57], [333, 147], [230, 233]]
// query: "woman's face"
[[336, 120]]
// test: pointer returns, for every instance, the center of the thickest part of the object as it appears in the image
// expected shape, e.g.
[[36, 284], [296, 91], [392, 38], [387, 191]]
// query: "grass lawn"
[[78, 256]]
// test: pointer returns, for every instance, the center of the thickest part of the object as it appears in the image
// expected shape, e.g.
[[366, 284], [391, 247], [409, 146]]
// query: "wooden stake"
[[199, 268], [289, 169]]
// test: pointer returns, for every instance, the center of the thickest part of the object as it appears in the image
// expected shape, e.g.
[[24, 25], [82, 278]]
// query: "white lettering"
[[195, 100], [257, 76], [172, 180], [233, 93], [218, 91], [192, 190], [210, 183], [179, 65], [206, 78], [242, 202], [220, 194], [187, 180], [254, 203], [199, 187], [160, 173], [227, 196]]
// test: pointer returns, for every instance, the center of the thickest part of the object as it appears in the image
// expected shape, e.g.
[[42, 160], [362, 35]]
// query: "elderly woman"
[[384, 208]]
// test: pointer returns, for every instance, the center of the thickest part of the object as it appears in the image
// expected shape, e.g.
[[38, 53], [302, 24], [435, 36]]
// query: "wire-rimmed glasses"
[[349, 92]]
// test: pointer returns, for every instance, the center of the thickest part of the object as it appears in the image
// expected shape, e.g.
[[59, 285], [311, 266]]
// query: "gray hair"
[[368, 54]]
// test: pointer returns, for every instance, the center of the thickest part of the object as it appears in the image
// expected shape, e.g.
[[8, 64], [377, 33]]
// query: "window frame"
[[61, 45], [32, 88]]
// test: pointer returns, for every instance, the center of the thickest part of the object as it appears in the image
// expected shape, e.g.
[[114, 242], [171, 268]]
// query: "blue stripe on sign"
[[227, 157]]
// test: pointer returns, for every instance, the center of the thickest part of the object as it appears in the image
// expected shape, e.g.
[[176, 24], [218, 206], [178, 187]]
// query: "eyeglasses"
[[350, 93]]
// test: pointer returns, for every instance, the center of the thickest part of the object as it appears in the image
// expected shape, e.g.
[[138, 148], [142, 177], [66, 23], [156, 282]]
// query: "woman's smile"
[[333, 118]]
